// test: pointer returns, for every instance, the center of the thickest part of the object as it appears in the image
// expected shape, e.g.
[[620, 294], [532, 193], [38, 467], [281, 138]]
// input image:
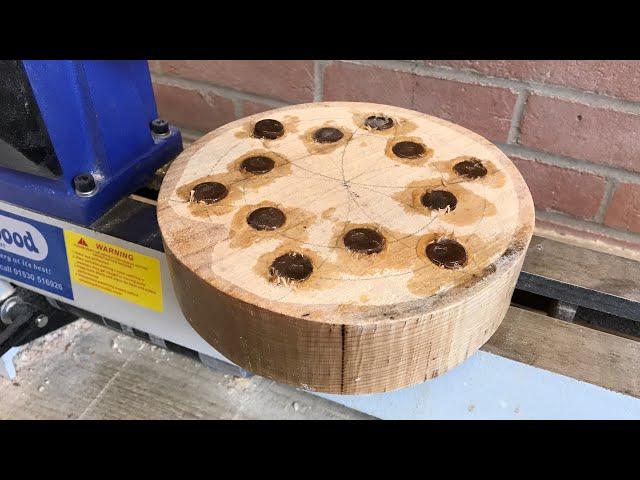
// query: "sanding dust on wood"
[[61, 339]]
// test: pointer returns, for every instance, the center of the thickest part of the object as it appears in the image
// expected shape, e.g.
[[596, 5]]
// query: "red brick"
[[193, 109], [250, 108], [368, 84], [485, 110], [290, 80], [598, 135], [618, 78], [563, 190], [624, 208]]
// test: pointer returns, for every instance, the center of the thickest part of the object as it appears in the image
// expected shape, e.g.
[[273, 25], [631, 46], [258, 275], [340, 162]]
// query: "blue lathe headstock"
[[77, 136]]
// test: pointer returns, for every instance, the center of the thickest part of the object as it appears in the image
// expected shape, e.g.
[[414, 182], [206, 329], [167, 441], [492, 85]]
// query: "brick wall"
[[571, 127]]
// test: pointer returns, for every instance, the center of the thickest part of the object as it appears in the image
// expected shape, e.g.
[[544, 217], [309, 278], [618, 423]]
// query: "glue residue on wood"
[[336, 170]]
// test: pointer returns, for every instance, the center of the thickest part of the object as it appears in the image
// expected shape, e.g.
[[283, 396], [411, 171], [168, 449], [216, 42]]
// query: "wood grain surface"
[[87, 371], [330, 255], [575, 351]]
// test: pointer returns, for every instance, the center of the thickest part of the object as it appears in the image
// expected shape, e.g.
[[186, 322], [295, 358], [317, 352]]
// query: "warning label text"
[[117, 271]]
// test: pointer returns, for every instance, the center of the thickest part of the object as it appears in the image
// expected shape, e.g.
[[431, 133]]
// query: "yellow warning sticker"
[[117, 271]]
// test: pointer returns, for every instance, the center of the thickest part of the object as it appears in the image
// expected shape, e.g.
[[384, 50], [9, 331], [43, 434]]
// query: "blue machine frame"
[[98, 116]]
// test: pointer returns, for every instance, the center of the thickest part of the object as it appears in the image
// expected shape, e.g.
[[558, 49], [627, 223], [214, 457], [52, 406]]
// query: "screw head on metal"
[[42, 320], [159, 126], [84, 184], [6, 315]]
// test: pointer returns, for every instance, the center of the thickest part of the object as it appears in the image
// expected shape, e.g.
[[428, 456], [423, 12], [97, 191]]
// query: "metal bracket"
[[25, 316], [21, 319], [7, 368]]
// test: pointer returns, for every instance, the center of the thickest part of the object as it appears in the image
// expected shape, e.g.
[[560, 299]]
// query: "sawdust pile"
[[60, 339]]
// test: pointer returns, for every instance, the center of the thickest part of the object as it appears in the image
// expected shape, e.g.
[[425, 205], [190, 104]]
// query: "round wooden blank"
[[384, 253]]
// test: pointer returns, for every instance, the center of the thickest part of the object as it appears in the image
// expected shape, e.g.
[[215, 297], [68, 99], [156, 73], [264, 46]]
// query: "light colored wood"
[[359, 323], [578, 352], [596, 244], [591, 270], [88, 371], [85, 371]]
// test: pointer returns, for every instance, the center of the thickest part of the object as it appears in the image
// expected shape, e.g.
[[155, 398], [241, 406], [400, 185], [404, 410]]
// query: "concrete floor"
[[86, 371]]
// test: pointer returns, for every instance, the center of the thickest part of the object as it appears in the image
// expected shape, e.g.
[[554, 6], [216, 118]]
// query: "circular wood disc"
[[345, 247]]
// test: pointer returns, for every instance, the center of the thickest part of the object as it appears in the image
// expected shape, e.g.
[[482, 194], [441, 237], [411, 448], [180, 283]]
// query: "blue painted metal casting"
[[97, 114]]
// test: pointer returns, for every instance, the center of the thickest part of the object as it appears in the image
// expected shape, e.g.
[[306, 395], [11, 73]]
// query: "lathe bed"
[[535, 366]]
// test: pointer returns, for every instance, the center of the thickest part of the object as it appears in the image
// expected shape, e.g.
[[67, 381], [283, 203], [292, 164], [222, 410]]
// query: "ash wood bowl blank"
[[378, 248]]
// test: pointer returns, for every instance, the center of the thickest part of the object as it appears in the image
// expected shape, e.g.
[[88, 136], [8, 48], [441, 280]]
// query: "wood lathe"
[[343, 248]]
